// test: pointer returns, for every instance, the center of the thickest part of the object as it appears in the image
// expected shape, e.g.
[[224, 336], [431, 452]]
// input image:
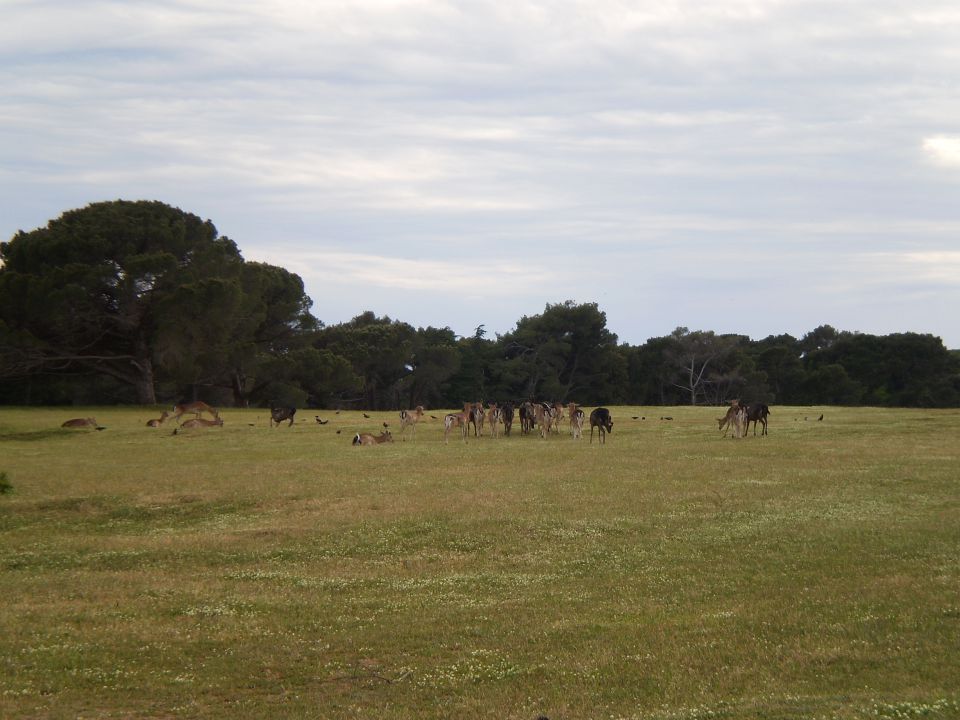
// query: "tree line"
[[140, 302]]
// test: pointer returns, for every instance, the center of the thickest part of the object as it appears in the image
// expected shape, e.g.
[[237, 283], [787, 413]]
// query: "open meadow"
[[249, 572]]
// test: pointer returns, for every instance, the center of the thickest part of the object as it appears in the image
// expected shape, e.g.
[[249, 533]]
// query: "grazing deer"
[[576, 423], [198, 423], [197, 407], [368, 439], [734, 419], [279, 414], [82, 423], [452, 420], [600, 419], [410, 418]]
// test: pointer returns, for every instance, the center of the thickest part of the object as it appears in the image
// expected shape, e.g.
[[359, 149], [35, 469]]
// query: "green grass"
[[244, 571]]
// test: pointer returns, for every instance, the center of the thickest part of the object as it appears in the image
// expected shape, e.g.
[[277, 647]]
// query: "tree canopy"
[[138, 302], [146, 295]]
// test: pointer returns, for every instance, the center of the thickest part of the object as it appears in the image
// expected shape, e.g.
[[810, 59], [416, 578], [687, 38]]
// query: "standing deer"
[[410, 418], [600, 419], [452, 420], [495, 417], [279, 414], [576, 424]]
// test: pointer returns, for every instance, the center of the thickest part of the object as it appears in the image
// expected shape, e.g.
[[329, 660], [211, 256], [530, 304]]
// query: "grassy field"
[[249, 572]]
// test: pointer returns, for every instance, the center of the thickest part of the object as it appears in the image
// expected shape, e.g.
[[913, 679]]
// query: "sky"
[[745, 166]]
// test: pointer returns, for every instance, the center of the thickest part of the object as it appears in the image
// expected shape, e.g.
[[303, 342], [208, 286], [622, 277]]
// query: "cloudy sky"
[[750, 166]]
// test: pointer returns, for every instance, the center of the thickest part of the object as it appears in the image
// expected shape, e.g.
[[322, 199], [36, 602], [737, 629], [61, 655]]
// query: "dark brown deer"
[[600, 419], [280, 414]]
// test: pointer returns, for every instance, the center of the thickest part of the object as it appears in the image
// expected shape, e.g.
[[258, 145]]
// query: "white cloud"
[[943, 150], [603, 145]]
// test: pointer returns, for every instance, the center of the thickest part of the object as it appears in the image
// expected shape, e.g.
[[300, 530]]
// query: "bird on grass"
[[319, 421], [366, 416]]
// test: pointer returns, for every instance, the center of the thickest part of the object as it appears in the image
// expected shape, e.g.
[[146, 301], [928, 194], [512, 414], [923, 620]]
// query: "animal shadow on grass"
[[31, 435]]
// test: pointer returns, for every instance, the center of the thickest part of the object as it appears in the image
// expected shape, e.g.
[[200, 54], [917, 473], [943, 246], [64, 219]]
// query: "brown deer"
[[157, 422], [476, 416], [198, 423], [410, 418], [368, 439], [543, 415], [452, 420], [576, 422], [735, 418], [197, 407]]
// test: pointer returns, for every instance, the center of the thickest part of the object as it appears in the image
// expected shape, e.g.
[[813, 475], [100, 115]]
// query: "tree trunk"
[[146, 393]]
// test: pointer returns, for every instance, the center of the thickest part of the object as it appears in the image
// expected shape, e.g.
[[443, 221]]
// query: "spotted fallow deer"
[[494, 418], [452, 420]]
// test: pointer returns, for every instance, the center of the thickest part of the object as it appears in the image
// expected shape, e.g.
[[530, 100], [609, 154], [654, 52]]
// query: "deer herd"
[[545, 418]]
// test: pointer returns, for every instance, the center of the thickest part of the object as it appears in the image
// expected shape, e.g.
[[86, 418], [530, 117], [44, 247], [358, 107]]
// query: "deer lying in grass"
[[368, 439], [82, 423], [409, 419], [157, 422], [452, 420], [198, 423], [197, 407]]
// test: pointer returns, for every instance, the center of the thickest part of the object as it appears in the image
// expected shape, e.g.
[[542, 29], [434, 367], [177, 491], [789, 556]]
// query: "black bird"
[[636, 417], [321, 422], [338, 432], [820, 418], [337, 412], [433, 417], [366, 416], [386, 424]]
